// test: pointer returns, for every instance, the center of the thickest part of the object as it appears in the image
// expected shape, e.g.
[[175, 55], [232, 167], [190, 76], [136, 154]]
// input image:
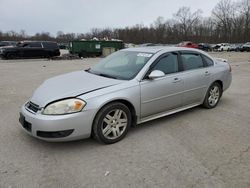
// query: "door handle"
[[176, 80], [207, 73]]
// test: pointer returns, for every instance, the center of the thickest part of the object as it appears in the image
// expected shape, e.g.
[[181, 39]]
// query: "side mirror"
[[156, 74]]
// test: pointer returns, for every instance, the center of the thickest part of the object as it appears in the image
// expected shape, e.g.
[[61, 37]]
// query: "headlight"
[[66, 106]]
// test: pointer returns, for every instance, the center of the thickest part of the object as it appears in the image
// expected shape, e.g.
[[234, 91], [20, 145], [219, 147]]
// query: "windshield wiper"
[[87, 69], [100, 74], [91, 72], [107, 76]]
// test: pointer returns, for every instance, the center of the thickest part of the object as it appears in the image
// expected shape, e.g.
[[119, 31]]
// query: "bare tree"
[[187, 20], [222, 14], [244, 8]]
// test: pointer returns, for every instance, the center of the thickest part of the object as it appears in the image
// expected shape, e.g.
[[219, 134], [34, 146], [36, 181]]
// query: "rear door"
[[165, 93], [196, 76], [36, 49], [50, 49], [31, 49]]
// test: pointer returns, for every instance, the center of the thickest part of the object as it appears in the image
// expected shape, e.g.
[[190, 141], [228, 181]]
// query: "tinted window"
[[209, 61], [35, 45], [168, 64], [50, 45], [191, 61], [25, 45], [5, 43]]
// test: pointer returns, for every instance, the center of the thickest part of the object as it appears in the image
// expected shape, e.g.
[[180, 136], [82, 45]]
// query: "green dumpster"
[[91, 48]]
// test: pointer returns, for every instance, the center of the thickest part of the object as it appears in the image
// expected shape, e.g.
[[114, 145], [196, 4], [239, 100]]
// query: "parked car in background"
[[30, 49], [245, 47], [63, 46], [223, 47], [205, 47], [129, 45], [7, 43], [147, 44], [187, 44], [128, 87], [215, 47], [234, 48]]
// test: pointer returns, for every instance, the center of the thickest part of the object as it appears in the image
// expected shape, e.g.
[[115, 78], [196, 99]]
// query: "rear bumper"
[[227, 82], [57, 128]]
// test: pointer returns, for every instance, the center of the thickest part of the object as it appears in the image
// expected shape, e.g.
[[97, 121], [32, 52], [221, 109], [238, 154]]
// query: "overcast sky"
[[79, 16]]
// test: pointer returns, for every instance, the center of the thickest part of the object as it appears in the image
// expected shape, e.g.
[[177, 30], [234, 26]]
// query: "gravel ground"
[[195, 148]]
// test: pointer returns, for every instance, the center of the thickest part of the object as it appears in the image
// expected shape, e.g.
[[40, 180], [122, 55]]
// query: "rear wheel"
[[48, 56], [112, 123], [213, 95]]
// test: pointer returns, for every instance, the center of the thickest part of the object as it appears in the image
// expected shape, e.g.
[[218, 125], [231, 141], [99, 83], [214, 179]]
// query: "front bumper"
[[57, 127]]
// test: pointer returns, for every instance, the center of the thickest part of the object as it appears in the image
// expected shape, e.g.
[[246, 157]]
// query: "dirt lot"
[[195, 148]]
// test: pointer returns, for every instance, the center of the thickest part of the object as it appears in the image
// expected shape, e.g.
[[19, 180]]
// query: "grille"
[[33, 107]]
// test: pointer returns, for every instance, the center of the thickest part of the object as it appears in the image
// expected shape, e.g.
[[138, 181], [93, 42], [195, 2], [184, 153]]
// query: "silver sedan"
[[129, 87]]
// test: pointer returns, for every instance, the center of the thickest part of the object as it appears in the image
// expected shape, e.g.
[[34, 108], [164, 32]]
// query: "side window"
[[50, 45], [35, 45], [209, 61], [191, 61], [26, 45], [168, 64]]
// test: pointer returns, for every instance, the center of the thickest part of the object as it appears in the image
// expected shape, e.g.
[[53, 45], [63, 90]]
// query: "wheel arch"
[[123, 101], [219, 82]]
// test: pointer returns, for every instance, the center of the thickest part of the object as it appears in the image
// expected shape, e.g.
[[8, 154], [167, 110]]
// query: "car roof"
[[155, 49], [34, 41]]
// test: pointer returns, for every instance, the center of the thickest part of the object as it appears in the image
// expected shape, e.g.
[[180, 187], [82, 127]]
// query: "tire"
[[10, 56], [213, 96], [112, 123], [48, 56]]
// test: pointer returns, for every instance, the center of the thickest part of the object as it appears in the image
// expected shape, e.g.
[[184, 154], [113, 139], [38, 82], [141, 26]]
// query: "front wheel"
[[213, 95], [10, 56], [112, 123]]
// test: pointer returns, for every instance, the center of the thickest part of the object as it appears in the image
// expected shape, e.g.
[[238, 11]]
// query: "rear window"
[[50, 45], [208, 61], [192, 61]]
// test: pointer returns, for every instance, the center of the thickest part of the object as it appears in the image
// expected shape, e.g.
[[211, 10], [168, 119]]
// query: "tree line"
[[229, 22]]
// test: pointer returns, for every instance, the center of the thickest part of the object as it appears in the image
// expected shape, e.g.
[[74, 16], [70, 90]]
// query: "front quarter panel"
[[128, 91]]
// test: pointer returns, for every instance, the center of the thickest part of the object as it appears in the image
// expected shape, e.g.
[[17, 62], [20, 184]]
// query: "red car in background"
[[188, 44]]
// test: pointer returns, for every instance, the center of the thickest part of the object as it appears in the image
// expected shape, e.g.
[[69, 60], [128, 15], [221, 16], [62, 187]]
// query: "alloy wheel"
[[114, 124], [214, 95]]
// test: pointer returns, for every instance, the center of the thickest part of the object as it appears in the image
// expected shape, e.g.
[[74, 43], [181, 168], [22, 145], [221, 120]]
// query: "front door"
[[165, 93]]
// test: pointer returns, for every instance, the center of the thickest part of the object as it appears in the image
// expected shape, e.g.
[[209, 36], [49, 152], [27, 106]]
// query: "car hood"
[[70, 85]]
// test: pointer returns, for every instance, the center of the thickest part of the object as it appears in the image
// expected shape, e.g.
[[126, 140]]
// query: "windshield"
[[123, 65]]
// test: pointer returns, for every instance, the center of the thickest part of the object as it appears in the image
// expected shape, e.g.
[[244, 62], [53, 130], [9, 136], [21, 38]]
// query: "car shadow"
[[89, 143]]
